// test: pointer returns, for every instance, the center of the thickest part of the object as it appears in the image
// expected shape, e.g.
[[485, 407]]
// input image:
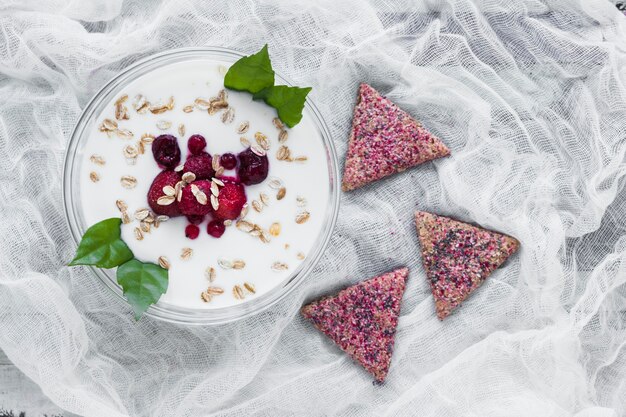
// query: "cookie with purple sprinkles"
[[458, 257], [362, 319], [384, 140]]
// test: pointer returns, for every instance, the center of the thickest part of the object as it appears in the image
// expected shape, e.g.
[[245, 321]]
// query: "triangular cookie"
[[384, 140], [362, 319], [458, 257]]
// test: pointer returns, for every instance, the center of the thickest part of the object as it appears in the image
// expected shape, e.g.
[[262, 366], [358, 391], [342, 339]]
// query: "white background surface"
[[20, 394], [529, 95]]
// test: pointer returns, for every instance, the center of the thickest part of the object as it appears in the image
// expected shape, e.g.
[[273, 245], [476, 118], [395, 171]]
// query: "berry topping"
[[253, 168], [194, 219], [200, 165], [166, 151], [231, 199], [196, 144], [164, 179], [194, 195], [192, 231], [228, 161], [216, 228]]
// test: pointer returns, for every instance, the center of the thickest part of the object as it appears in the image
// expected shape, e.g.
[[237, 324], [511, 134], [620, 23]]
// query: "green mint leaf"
[[102, 246], [251, 73], [143, 284], [288, 101]]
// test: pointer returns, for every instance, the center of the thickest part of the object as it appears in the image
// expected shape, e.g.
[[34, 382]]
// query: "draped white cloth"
[[529, 95]]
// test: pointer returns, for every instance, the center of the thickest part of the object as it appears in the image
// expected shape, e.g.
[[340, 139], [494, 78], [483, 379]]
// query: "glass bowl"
[[73, 209]]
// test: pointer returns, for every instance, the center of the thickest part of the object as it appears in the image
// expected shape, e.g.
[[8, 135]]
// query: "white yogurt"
[[186, 82]]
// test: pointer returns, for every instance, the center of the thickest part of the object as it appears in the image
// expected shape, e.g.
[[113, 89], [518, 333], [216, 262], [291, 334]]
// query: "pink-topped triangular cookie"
[[362, 319], [458, 257], [384, 140]]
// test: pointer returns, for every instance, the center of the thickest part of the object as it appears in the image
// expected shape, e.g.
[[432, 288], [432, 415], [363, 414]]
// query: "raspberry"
[[166, 151], [231, 200], [196, 144], [253, 168], [192, 231], [164, 178], [228, 161], [216, 228], [193, 219], [189, 204], [201, 166]]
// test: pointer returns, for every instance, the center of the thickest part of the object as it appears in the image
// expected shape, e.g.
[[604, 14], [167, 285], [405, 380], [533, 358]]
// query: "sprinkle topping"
[[384, 140], [458, 257], [362, 319]]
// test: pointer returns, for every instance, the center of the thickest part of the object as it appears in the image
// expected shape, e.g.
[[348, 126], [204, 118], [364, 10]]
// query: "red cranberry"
[[231, 200], [166, 151], [189, 204], [192, 231], [216, 228], [165, 178], [200, 165], [195, 219], [228, 161], [196, 144], [253, 168]]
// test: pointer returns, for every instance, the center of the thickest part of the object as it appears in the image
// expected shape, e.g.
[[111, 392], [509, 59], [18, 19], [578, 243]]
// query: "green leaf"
[[288, 101], [102, 246], [251, 73], [143, 284]]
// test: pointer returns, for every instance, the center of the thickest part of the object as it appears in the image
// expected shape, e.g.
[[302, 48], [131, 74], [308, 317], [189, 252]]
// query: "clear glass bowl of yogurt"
[[97, 164]]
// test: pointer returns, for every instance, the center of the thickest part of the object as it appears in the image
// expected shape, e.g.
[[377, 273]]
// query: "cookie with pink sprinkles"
[[385, 140], [458, 257], [362, 319]]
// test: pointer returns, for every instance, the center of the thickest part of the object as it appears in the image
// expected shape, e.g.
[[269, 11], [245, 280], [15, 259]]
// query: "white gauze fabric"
[[529, 95]]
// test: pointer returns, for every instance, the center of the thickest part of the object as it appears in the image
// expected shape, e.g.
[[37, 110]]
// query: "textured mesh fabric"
[[530, 97]]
